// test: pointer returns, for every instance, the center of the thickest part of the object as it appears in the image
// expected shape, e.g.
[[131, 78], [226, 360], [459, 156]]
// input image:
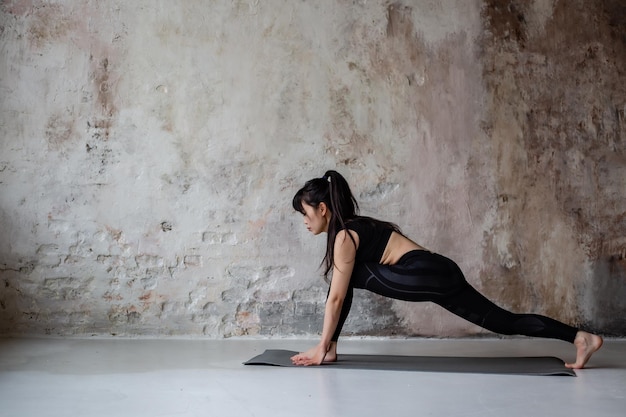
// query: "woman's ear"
[[322, 208]]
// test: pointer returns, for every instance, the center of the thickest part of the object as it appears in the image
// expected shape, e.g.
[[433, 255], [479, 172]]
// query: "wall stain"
[[49, 23], [100, 124], [399, 21], [60, 131], [105, 89], [16, 7], [403, 52], [505, 19], [615, 10]]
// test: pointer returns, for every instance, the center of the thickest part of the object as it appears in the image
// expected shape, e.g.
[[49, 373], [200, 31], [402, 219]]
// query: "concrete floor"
[[172, 377]]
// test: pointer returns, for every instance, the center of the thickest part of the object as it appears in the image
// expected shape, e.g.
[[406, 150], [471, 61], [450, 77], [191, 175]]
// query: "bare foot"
[[586, 344]]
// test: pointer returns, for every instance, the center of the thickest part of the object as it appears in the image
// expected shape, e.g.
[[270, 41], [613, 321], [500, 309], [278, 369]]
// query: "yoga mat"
[[493, 365]]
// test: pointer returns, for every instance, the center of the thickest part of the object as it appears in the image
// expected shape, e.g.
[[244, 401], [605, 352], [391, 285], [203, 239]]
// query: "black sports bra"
[[373, 239]]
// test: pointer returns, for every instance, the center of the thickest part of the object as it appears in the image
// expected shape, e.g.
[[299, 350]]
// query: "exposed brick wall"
[[148, 157]]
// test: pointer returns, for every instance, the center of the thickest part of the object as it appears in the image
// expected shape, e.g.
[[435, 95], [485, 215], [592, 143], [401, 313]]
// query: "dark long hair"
[[333, 190]]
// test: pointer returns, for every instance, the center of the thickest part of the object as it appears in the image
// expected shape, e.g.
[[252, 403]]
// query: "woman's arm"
[[344, 254]]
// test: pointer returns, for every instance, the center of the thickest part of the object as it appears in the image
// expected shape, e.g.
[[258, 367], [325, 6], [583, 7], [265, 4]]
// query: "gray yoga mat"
[[541, 365]]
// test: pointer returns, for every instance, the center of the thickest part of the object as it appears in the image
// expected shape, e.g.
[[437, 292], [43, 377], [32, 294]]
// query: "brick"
[[193, 260], [149, 261]]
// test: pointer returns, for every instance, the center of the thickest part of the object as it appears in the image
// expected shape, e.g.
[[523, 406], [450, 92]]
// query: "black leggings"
[[421, 275]]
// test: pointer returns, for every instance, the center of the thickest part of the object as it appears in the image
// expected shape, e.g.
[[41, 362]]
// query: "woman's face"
[[315, 218]]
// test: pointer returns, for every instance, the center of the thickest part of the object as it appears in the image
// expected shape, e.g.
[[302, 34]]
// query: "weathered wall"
[[555, 72], [150, 149]]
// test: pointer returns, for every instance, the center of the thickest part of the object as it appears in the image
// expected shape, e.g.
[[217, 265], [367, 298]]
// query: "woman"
[[371, 254]]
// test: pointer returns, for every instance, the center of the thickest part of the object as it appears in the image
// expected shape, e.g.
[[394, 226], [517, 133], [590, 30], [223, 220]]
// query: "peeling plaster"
[[150, 152]]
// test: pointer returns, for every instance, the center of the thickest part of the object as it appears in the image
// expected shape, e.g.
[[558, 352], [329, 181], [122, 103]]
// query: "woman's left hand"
[[312, 357]]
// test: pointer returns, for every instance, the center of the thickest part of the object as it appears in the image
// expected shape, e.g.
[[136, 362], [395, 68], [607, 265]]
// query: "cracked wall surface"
[[149, 151]]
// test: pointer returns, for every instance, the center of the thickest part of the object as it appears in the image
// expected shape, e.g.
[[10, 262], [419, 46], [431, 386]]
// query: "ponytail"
[[343, 207]]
